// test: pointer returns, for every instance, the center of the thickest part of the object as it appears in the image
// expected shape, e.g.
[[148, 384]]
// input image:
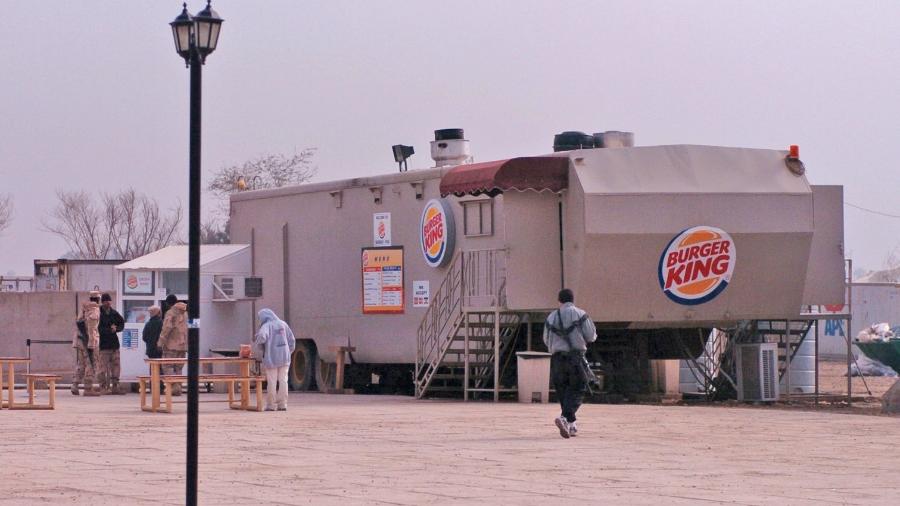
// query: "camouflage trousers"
[[174, 368], [84, 365], [109, 367]]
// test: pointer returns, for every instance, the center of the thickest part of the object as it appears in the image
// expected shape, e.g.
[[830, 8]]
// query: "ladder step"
[[437, 388], [447, 377], [472, 363], [471, 352], [474, 338]]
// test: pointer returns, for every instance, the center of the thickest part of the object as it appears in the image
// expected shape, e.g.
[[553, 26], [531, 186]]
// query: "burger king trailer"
[[447, 271]]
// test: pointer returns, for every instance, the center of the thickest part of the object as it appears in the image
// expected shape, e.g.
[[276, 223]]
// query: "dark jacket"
[[151, 335], [109, 340]]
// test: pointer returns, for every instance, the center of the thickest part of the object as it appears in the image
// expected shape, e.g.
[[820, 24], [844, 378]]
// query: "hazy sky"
[[94, 96]]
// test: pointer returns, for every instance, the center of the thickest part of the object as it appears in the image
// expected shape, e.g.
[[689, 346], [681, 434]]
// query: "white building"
[[226, 314], [16, 283]]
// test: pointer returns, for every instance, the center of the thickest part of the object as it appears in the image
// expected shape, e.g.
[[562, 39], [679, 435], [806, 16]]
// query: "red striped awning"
[[538, 173]]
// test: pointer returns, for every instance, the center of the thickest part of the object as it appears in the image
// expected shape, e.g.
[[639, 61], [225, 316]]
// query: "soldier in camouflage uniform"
[[111, 322], [173, 339], [86, 352]]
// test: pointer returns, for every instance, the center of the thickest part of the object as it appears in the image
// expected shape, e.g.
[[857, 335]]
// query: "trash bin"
[[534, 376]]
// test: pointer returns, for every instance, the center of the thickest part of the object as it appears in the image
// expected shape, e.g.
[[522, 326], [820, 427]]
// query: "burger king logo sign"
[[697, 265], [436, 232]]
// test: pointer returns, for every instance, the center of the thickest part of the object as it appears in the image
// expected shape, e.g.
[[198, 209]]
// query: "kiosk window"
[[175, 282], [136, 311], [478, 217]]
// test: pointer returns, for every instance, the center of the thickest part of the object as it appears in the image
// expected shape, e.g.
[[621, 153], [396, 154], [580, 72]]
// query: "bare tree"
[[212, 232], [6, 209], [891, 273], [269, 171], [117, 225]]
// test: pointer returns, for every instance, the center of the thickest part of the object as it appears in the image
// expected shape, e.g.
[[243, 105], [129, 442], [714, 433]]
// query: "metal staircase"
[[789, 334], [467, 332], [718, 355], [708, 366]]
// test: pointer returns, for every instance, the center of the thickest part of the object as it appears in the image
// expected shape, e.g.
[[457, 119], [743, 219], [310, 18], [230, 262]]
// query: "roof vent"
[[614, 139], [450, 147], [567, 141]]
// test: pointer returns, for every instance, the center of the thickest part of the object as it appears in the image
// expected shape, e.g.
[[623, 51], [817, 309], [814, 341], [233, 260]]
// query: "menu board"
[[382, 280]]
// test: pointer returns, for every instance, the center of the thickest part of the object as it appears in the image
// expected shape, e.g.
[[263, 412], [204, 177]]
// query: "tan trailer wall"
[[532, 236], [825, 278], [626, 234], [574, 238], [324, 245]]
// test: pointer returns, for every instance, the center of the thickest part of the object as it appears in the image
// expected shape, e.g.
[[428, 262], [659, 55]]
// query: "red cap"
[[795, 151]]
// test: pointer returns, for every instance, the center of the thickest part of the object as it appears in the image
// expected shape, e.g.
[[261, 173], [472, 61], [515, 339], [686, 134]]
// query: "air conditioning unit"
[[757, 372], [227, 288]]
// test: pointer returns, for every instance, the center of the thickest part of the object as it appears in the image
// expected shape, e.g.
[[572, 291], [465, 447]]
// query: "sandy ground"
[[393, 450], [832, 380]]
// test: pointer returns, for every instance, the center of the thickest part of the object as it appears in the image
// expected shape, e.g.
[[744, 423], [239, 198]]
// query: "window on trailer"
[[478, 217], [175, 282]]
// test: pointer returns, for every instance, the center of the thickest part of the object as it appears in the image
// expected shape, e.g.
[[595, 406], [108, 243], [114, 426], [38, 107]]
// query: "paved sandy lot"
[[392, 450], [832, 380]]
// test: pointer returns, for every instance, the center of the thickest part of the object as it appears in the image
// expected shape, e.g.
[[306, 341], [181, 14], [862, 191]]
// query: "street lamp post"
[[195, 38]]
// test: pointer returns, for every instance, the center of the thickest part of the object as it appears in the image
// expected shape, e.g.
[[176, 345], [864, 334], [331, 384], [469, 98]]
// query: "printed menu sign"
[[382, 280]]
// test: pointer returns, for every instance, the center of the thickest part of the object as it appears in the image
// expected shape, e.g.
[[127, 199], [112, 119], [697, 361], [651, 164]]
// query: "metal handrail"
[[475, 278], [443, 305]]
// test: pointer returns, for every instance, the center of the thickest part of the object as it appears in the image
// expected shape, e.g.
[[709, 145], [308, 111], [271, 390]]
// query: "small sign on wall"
[[382, 230], [130, 338], [421, 293], [137, 283]]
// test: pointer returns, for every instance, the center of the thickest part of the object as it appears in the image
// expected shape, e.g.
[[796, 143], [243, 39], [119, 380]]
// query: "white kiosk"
[[226, 289]]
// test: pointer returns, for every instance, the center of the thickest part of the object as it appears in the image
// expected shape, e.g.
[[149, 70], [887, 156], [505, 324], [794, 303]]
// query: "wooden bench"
[[229, 379], [31, 380]]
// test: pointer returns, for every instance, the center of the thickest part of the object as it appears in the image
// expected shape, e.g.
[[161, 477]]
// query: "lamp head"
[[401, 152]]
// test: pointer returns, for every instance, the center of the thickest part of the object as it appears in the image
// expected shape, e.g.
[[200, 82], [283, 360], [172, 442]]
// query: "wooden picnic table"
[[10, 362], [243, 363]]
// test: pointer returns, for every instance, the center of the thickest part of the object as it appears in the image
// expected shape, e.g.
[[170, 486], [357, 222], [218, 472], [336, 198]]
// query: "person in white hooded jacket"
[[274, 345]]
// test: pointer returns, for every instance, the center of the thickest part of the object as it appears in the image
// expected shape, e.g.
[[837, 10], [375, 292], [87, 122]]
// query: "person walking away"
[[111, 323], [85, 343], [173, 340], [275, 341], [567, 333], [150, 334]]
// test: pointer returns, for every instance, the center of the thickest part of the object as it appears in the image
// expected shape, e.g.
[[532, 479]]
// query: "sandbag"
[[865, 366], [890, 401]]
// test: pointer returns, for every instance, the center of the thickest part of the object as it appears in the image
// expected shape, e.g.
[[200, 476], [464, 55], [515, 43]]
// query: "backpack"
[[564, 333]]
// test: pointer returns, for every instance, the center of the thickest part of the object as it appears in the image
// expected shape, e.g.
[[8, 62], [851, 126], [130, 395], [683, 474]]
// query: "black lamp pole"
[[195, 38], [193, 282]]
